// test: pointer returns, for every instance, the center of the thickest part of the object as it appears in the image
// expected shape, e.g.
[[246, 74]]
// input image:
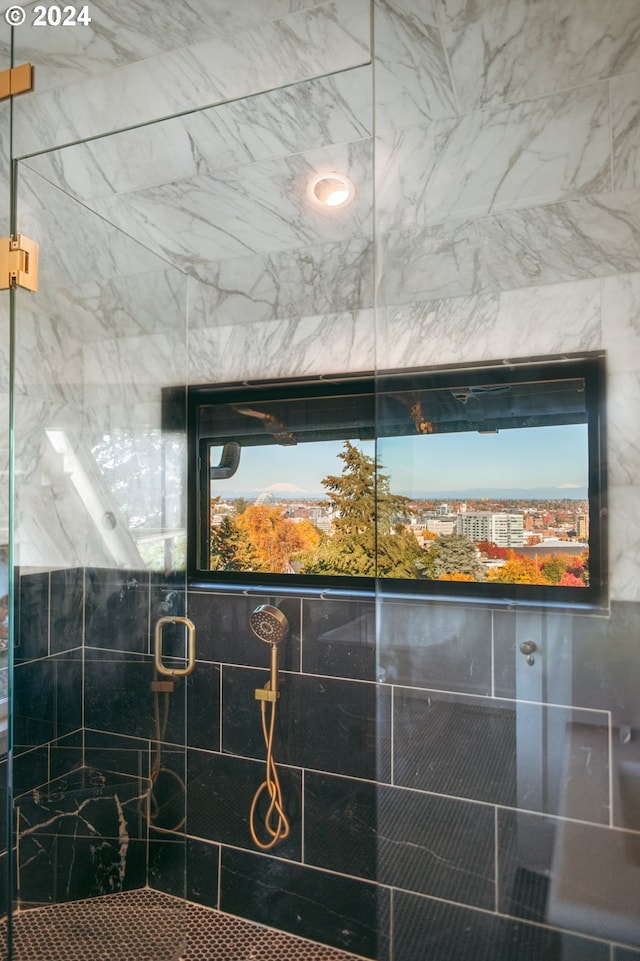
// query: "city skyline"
[[539, 462]]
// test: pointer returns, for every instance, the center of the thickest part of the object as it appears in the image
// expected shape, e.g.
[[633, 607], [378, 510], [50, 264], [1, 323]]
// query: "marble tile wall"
[[421, 793], [268, 276], [113, 39], [520, 193], [88, 357], [508, 207], [276, 44], [519, 237]]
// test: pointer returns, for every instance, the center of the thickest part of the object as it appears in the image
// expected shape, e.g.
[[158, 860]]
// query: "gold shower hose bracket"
[[266, 694], [191, 647]]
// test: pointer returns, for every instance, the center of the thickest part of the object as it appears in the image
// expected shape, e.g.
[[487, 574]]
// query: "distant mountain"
[[280, 493], [285, 488], [502, 493]]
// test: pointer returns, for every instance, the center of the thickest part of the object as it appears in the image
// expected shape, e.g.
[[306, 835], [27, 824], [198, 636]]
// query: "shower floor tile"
[[147, 925]]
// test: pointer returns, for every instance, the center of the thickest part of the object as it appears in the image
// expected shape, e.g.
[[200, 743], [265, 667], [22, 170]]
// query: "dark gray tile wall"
[[429, 773]]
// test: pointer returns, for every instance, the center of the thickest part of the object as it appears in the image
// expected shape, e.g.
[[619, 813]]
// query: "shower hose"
[[275, 820], [161, 717]]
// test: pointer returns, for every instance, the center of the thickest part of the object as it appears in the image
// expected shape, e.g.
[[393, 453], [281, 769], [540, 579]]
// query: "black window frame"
[[588, 365]]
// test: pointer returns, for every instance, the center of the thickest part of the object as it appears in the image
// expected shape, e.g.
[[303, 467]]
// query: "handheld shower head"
[[269, 624]]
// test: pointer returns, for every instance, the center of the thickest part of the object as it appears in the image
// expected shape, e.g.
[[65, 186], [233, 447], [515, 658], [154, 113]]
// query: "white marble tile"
[[4, 468], [48, 361], [588, 237], [46, 529], [326, 38], [34, 456], [53, 529], [296, 283], [621, 322], [5, 44], [74, 242], [413, 84], [625, 126], [4, 416], [195, 223], [436, 332], [95, 285], [99, 310], [5, 346], [73, 377], [294, 348], [516, 324], [430, 263], [623, 427], [63, 497], [555, 319], [5, 117], [535, 152], [61, 500], [105, 412], [119, 35], [509, 50], [134, 369], [261, 207], [624, 561], [301, 117]]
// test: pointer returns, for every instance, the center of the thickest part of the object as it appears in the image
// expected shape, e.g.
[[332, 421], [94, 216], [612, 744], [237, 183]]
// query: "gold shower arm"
[[191, 647]]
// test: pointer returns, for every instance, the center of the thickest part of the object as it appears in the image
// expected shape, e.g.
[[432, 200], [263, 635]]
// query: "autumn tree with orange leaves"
[[517, 569], [267, 538]]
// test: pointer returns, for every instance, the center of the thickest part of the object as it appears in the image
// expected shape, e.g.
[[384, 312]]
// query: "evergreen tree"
[[224, 542], [367, 539], [452, 554]]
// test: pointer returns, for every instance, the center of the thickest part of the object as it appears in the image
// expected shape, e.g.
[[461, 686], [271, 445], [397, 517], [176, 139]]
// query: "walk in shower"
[[445, 760]]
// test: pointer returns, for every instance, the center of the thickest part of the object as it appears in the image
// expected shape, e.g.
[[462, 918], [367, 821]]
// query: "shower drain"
[[148, 925]]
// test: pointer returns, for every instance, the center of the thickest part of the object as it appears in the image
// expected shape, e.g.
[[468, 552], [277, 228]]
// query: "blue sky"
[[530, 458]]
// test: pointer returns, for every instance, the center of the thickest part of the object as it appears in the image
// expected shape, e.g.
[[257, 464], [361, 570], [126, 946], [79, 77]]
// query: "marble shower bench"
[[81, 835]]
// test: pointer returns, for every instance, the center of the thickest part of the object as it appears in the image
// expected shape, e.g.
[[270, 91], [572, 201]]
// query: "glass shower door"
[[5, 118], [99, 545], [218, 204]]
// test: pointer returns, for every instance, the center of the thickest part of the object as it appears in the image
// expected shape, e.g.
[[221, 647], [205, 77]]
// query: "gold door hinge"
[[18, 263], [16, 80]]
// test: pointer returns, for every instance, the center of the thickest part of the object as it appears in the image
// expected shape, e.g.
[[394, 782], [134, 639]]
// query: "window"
[[482, 481]]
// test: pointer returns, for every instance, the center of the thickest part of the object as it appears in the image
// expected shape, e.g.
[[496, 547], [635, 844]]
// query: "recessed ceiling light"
[[331, 190]]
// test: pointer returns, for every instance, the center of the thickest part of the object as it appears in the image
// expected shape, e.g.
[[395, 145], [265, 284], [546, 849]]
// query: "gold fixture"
[[16, 80], [271, 626], [18, 263], [162, 691], [266, 694], [191, 647]]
